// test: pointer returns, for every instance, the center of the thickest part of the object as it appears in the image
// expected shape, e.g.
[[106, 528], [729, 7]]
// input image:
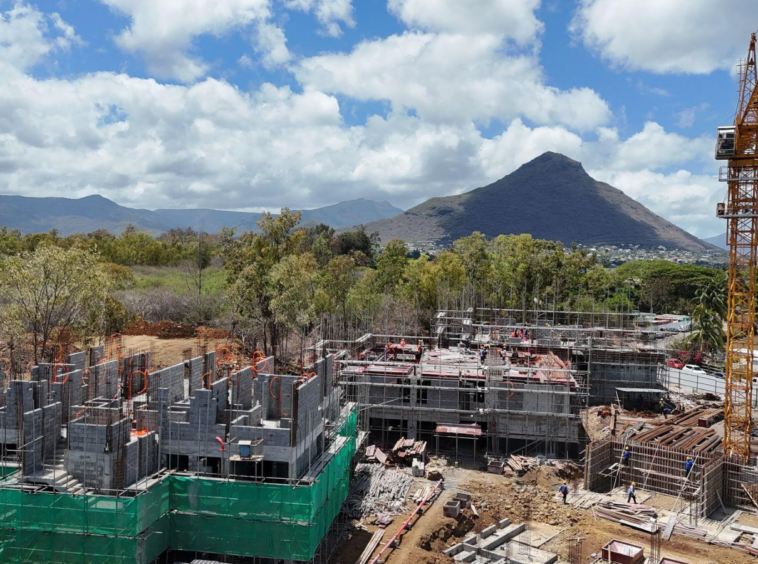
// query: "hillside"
[[551, 197], [84, 215]]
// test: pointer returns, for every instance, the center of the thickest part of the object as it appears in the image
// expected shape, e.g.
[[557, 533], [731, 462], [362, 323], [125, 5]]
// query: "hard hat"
[[626, 448], [634, 484], [689, 458], [564, 481]]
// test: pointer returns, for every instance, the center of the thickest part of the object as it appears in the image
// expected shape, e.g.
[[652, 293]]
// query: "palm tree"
[[708, 317]]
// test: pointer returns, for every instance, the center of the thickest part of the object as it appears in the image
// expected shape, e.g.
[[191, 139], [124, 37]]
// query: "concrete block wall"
[[133, 368], [40, 431], [20, 399], [104, 379], [78, 360], [91, 469], [172, 379], [147, 420], [68, 391], [96, 354], [196, 369], [209, 364], [242, 388], [141, 458]]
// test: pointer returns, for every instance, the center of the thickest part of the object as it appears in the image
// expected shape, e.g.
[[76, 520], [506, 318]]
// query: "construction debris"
[[370, 547], [632, 515], [377, 490], [406, 450]]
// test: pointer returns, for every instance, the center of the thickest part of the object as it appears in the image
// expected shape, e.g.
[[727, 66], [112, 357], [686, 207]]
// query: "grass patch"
[[176, 279]]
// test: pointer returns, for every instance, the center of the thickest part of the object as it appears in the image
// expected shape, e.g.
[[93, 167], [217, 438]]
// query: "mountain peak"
[[550, 197], [554, 163]]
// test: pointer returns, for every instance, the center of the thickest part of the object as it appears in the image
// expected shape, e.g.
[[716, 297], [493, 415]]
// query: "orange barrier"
[[55, 373]]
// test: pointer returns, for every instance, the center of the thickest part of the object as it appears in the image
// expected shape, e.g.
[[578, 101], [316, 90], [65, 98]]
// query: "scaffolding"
[[659, 469], [179, 512], [83, 477], [542, 369]]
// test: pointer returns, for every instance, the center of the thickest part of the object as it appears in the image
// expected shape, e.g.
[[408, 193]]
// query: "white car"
[[694, 369]]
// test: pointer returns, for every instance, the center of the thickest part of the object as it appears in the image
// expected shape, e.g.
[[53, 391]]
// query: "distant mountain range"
[[718, 240], [84, 215], [550, 197]]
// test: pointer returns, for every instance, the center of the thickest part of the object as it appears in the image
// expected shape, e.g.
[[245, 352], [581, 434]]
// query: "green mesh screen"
[[181, 513]]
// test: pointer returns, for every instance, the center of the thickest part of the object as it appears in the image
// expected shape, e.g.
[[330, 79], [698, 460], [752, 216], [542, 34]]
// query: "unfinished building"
[[657, 462], [104, 459], [541, 369]]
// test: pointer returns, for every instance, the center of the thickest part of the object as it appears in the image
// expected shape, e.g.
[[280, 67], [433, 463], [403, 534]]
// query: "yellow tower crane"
[[737, 144]]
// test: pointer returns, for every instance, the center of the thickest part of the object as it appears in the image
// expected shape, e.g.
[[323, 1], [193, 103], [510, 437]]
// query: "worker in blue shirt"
[[625, 456], [688, 466], [564, 491], [631, 494]]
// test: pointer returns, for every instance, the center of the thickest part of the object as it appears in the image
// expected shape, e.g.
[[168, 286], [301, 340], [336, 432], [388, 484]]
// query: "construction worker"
[[483, 354], [564, 491], [631, 494], [625, 456], [688, 466], [418, 353], [402, 342]]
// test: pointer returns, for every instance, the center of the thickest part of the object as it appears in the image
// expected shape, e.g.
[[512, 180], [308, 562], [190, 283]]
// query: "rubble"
[[377, 490]]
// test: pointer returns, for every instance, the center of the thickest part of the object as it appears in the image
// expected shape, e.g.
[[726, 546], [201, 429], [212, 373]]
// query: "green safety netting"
[[179, 512]]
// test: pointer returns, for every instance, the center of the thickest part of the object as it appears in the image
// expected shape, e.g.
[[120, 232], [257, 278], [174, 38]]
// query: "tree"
[[201, 308], [708, 315], [52, 291], [390, 266], [335, 284], [249, 262], [293, 281]]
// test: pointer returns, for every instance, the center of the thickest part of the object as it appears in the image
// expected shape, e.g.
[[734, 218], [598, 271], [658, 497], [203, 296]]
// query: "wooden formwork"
[[736, 475], [659, 469], [598, 458], [712, 486]]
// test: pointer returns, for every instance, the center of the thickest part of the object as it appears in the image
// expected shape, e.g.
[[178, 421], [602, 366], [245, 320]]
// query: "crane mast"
[[737, 144]]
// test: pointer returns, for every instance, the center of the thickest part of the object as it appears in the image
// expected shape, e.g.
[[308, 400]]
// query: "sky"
[[259, 104]]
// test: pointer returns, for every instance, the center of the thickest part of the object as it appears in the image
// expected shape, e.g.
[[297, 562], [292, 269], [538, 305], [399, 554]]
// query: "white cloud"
[[683, 198], [686, 117], [519, 144], [675, 36], [272, 43], [245, 62], [331, 14], [26, 38], [654, 148], [514, 19], [162, 31], [447, 77], [209, 144]]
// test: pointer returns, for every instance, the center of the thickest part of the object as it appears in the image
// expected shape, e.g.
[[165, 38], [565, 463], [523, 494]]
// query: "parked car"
[[674, 363], [694, 369], [720, 375]]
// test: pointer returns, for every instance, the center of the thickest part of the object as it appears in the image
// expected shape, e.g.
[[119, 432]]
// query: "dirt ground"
[[167, 352], [530, 499]]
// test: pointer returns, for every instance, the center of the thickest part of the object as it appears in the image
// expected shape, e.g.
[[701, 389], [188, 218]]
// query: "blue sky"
[[257, 104]]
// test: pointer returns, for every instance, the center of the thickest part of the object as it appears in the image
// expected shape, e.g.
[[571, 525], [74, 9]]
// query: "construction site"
[[106, 459], [449, 446], [491, 436]]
